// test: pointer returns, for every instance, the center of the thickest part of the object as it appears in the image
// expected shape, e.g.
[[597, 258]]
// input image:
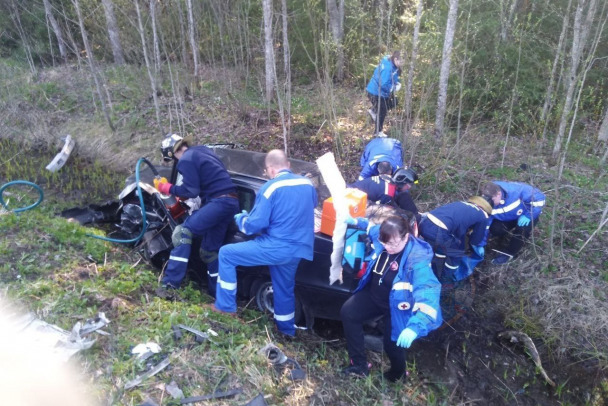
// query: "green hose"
[[141, 202], [21, 182]]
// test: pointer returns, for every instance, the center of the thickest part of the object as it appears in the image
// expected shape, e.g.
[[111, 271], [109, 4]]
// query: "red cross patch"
[[403, 306]]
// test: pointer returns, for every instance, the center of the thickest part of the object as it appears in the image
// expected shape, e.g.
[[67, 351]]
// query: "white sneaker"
[[380, 134], [372, 115]]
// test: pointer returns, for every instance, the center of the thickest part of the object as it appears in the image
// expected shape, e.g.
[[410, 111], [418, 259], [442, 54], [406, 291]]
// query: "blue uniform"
[[283, 215], [204, 175], [380, 150], [379, 189], [518, 199], [413, 300], [445, 228], [384, 79]]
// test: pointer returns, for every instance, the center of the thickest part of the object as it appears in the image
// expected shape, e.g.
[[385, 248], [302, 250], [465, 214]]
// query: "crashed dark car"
[[315, 297]]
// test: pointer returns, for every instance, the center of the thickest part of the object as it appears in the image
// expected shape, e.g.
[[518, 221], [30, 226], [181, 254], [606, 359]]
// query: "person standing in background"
[[381, 89]]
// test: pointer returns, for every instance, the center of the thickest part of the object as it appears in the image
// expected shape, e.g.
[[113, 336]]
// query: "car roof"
[[251, 164]]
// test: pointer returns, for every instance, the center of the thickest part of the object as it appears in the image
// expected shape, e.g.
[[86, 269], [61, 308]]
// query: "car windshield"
[[250, 163]]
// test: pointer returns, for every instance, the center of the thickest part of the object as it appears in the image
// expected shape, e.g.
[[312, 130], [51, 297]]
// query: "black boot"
[[393, 375]]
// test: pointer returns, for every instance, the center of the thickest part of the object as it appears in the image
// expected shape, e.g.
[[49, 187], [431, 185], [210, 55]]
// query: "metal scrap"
[[280, 361], [214, 395], [156, 369]]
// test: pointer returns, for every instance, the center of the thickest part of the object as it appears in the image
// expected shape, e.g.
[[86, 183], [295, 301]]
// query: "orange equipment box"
[[357, 202]]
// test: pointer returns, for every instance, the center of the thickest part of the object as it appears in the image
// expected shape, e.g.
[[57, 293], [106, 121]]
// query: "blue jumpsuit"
[[379, 189], [445, 228], [413, 301], [518, 199], [381, 87], [283, 214], [205, 176], [380, 150]]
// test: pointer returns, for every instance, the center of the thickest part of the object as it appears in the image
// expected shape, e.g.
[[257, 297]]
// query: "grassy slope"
[[61, 282]]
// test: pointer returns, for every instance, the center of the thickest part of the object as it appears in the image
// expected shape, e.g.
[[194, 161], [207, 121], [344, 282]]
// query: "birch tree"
[[335, 10], [580, 36], [193, 44], [507, 13], [410, 74], [91, 62], [113, 33], [603, 133], [268, 49], [16, 17], [148, 64], [155, 41], [445, 68], [287, 70], [48, 10]]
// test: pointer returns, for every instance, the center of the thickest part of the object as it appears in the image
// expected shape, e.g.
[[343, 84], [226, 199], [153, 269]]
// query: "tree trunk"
[[91, 62], [287, 69], [268, 49], [56, 29], [603, 133], [148, 65], [155, 36], [556, 62], [193, 44], [182, 32], [579, 40], [445, 68], [336, 23], [16, 17], [410, 74], [113, 32], [507, 12]]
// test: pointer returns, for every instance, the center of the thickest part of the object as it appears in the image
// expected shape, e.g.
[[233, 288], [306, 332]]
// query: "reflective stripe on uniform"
[[286, 182], [538, 204], [426, 309], [213, 275], [226, 285], [284, 317], [178, 259], [439, 255], [505, 209], [403, 286], [452, 267], [436, 221]]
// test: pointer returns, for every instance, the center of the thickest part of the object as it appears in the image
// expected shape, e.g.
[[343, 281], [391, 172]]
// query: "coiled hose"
[[21, 182], [141, 202]]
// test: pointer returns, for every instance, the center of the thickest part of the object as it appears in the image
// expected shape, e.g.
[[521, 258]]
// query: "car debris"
[[214, 395], [153, 371], [280, 361], [63, 155], [145, 350], [259, 400], [174, 390], [199, 336]]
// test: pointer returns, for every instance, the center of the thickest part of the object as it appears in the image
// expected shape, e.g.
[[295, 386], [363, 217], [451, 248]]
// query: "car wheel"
[[264, 300]]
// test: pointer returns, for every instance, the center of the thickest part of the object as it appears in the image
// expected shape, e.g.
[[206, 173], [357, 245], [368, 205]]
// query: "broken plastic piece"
[[156, 369], [174, 390], [145, 351], [280, 361], [63, 155], [199, 335], [214, 395], [257, 401], [91, 325]]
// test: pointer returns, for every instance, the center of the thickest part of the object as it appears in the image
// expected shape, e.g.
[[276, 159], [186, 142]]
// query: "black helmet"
[[405, 175], [171, 144]]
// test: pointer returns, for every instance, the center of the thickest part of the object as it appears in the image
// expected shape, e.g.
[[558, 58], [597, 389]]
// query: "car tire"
[[264, 299]]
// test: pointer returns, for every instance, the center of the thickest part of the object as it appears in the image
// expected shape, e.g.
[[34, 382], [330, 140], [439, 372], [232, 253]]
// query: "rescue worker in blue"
[[386, 189], [517, 207], [205, 176], [399, 285], [380, 150], [446, 229], [283, 215], [381, 89]]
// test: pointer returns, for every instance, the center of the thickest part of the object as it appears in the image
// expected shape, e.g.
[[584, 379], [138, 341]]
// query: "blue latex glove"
[[480, 251], [239, 219], [406, 338], [351, 221], [523, 220]]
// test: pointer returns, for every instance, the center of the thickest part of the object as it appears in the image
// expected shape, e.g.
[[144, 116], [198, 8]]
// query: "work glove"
[[397, 86], [239, 219], [406, 338], [351, 221], [163, 186], [480, 251], [523, 220], [158, 180]]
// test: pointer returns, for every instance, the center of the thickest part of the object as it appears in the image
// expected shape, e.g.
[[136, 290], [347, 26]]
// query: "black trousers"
[[380, 105], [358, 309], [519, 235]]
